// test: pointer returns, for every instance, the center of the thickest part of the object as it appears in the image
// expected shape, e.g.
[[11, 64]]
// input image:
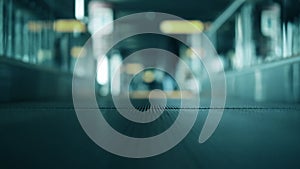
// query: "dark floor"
[[250, 135]]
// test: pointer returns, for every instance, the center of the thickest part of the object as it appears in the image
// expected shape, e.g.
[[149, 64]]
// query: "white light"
[[79, 9], [100, 15], [115, 62], [102, 71]]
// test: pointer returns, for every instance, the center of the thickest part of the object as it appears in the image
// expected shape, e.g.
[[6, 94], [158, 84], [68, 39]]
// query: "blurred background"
[[257, 42]]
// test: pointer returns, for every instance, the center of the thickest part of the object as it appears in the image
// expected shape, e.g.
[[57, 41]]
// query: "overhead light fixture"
[[69, 26], [181, 27], [79, 9]]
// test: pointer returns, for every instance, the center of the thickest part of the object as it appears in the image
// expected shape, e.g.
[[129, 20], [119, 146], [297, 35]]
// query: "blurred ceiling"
[[205, 10]]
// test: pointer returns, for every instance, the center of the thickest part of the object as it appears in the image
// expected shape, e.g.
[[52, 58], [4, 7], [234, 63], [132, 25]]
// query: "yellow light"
[[181, 27], [133, 68], [142, 94], [69, 26], [78, 51], [148, 76], [36, 26]]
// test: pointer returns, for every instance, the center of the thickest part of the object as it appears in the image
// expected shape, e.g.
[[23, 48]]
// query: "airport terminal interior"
[[144, 84]]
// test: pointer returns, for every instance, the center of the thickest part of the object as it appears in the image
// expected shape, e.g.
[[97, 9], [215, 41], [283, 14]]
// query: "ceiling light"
[[181, 27], [79, 9]]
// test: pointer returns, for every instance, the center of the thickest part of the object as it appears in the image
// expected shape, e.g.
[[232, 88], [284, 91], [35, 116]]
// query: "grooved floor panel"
[[48, 135]]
